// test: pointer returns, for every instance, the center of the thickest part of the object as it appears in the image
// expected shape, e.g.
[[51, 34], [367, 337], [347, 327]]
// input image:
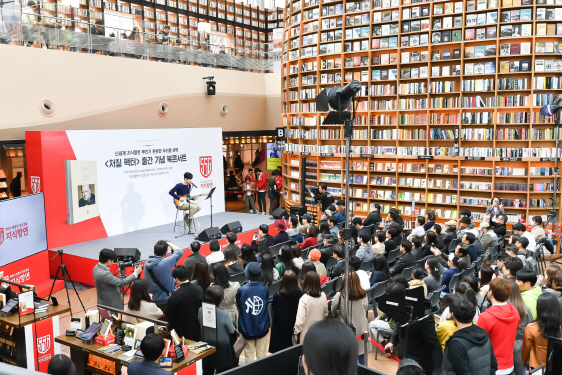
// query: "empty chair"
[[407, 272], [367, 265], [328, 287], [238, 277], [274, 250], [274, 288], [331, 262], [392, 254], [337, 284], [375, 292], [469, 270], [421, 262], [434, 298], [455, 279], [453, 244]]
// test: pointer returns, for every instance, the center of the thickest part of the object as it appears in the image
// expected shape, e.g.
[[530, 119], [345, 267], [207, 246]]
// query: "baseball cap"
[[451, 223], [307, 216], [484, 225], [314, 255]]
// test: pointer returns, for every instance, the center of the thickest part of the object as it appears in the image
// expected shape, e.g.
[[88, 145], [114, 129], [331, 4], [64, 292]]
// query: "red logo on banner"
[[35, 184], [44, 344], [205, 166], [1, 235]]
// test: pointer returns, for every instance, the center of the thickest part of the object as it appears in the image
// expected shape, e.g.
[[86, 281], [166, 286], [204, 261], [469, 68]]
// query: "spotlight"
[[211, 90]]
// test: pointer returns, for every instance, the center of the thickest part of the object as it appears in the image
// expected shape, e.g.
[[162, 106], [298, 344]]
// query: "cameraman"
[[324, 197], [159, 272], [107, 285]]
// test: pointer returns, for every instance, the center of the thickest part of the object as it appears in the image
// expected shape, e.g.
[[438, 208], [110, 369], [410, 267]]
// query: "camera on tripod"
[[126, 257]]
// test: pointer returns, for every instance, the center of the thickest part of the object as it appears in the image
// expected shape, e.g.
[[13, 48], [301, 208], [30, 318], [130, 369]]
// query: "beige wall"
[[95, 91]]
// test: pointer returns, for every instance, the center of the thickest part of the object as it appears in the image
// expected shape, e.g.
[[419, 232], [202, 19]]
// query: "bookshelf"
[[456, 83]]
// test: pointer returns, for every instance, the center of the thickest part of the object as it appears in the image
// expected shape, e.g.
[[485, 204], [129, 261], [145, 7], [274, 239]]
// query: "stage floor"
[[145, 239]]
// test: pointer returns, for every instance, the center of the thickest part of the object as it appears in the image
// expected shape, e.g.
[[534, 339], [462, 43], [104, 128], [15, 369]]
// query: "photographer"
[[107, 285], [324, 197], [159, 270]]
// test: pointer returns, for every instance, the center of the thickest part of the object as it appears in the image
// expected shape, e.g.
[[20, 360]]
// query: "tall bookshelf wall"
[[468, 98]]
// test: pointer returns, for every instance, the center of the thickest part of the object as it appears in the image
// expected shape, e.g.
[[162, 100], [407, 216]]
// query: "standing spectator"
[[158, 271], [234, 264], [231, 239], [526, 317], [201, 275], [521, 230], [535, 341], [450, 232], [260, 186], [430, 220], [365, 251], [420, 228], [530, 292], [313, 305], [538, 230], [165, 35], [238, 163], [253, 322], [433, 280], [224, 358], [230, 288], [501, 321], [324, 197], [407, 260], [358, 305], [489, 238], [216, 253], [282, 236], [141, 303], [284, 312], [190, 261], [279, 182], [374, 217], [273, 193], [469, 349], [306, 220], [30, 25], [495, 210], [184, 305], [15, 185], [151, 347]]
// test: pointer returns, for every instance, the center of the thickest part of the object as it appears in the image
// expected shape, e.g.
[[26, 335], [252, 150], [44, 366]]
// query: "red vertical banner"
[[40, 343]]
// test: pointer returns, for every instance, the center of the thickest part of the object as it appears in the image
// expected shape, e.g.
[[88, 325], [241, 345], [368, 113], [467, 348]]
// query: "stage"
[[81, 258]]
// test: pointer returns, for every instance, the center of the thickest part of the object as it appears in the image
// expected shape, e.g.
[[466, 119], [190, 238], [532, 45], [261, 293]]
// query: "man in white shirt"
[[521, 230], [419, 231], [216, 253]]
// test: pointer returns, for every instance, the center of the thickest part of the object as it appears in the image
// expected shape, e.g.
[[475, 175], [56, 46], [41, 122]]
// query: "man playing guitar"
[[184, 200]]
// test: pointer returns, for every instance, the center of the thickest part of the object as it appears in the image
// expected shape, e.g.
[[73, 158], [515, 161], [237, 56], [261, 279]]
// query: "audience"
[[312, 239], [313, 306], [547, 280], [358, 304], [141, 303], [453, 270], [253, 322], [378, 245], [510, 268], [485, 275], [433, 278], [355, 265], [420, 229], [234, 264], [294, 229], [247, 255], [373, 217], [333, 224], [306, 268], [262, 249], [324, 231], [263, 232], [489, 238], [60, 364], [231, 239], [462, 288], [284, 309], [201, 275], [306, 219], [230, 288], [468, 239], [315, 256], [270, 273], [338, 269], [297, 256], [285, 260], [190, 261], [521, 230], [382, 272], [530, 292], [216, 253], [282, 236], [152, 346], [417, 281], [430, 220], [538, 230], [417, 246], [450, 232], [184, 304], [407, 260], [365, 251]]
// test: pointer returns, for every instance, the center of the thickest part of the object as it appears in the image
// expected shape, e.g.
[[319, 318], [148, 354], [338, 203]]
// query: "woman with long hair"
[[306, 268], [538, 229], [430, 240], [285, 260], [382, 272], [433, 278], [546, 280], [535, 341], [526, 317], [358, 304], [263, 248], [465, 289], [228, 303], [430, 215], [312, 239], [141, 303], [270, 273], [247, 254], [313, 306], [233, 263], [297, 256], [324, 230], [284, 312], [486, 274], [201, 275]]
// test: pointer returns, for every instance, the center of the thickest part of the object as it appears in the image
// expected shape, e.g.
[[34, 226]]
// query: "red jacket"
[[501, 322], [260, 185], [279, 182], [252, 178], [310, 241]]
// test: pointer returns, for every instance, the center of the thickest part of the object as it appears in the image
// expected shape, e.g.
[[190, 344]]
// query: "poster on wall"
[[273, 156], [81, 182]]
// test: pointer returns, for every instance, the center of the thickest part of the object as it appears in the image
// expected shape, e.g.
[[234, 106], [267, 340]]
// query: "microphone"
[[194, 185], [551, 109]]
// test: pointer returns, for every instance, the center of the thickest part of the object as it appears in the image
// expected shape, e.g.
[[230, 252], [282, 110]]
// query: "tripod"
[[64, 276], [553, 215]]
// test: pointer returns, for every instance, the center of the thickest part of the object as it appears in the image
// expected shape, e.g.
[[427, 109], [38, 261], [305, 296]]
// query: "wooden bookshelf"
[[417, 109]]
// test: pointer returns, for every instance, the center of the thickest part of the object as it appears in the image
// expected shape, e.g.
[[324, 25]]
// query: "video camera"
[[126, 257], [313, 190]]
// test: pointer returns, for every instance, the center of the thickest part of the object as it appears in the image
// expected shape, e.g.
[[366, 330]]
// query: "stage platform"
[[81, 258]]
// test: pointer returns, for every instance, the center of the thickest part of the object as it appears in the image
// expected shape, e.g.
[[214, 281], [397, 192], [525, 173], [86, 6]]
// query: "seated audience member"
[[263, 249], [417, 281], [355, 265], [547, 279], [419, 230], [312, 239], [234, 264], [338, 269], [374, 217], [382, 272], [313, 306], [538, 230], [201, 275], [430, 220], [151, 347], [453, 270], [469, 349], [378, 245], [450, 232], [322, 355], [297, 256], [464, 225], [518, 250], [315, 256], [510, 268], [501, 321], [365, 251], [231, 239], [468, 239], [253, 319], [228, 303], [285, 260], [216, 253], [60, 364], [547, 324], [284, 312], [465, 289], [190, 261], [141, 303], [224, 358], [282, 236], [407, 260], [396, 232], [489, 238], [183, 305], [294, 229], [465, 212], [430, 241], [247, 254], [464, 259], [270, 273], [263, 232], [526, 281], [305, 224], [439, 237], [433, 278], [306, 268], [445, 328], [357, 222], [417, 246], [384, 322], [325, 249], [337, 214], [521, 230], [485, 274], [323, 230], [421, 345], [499, 226], [389, 244], [333, 224], [358, 305]]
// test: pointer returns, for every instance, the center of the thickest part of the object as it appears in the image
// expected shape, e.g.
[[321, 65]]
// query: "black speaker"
[[300, 210], [127, 254], [234, 227], [209, 234], [280, 213]]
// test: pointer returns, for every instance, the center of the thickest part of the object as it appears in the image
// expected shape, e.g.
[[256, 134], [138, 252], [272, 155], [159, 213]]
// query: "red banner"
[[32, 270], [40, 343]]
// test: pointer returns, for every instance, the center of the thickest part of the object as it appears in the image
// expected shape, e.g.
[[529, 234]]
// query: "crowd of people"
[[495, 319]]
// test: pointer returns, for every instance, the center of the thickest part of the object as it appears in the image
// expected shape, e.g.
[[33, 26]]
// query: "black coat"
[[182, 309], [448, 236], [407, 260], [439, 242], [15, 187], [281, 237], [338, 269], [284, 311], [469, 352], [270, 242], [421, 345], [273, 192], [372, 218]]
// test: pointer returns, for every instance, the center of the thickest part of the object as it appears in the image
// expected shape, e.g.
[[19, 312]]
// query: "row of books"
[[510, 186]]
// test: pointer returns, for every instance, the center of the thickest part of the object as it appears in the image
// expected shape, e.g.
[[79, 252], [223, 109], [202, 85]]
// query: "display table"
[[79, 351]]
